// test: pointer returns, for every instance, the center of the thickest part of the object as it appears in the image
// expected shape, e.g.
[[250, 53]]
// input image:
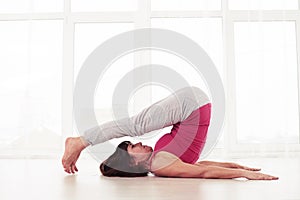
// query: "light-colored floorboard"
[[44, 179]]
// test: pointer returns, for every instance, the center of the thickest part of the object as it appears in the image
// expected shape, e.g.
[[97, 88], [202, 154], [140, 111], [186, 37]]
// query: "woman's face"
[[139, 152]]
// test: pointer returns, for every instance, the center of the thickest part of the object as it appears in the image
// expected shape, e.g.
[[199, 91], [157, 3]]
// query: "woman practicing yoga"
[[175, 154]]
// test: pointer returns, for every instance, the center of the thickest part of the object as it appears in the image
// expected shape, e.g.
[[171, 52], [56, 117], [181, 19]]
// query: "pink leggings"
[[187, 138]]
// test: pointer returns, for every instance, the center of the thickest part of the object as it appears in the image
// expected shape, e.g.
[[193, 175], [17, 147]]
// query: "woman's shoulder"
[[162, 159]]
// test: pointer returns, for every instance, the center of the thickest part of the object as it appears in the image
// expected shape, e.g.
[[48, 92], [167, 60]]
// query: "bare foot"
[[73, 148]]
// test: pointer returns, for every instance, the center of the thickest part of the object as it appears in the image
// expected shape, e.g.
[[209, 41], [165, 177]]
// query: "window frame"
[[232, 16]]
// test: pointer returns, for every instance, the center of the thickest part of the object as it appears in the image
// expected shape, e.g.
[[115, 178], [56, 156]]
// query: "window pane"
[[30, 84], [208, 35], [88, 36], [101, 5], [266, 87], [25, 6], [263, 4], [186, 5]]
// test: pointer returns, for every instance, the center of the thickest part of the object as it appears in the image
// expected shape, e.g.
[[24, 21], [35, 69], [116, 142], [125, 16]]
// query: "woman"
[[175, 154]]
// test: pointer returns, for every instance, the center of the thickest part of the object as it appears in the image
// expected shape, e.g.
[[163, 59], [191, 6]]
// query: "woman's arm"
[[227, 165], [185, 170]]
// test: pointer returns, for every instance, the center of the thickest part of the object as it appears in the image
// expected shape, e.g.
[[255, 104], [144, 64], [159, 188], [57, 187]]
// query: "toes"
[[73, 169], [76, 168], [67, 170]]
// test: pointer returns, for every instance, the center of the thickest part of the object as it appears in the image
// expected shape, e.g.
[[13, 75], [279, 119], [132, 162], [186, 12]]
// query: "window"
[[266, 86], [263, 4], [45, 42], [31, 6], [208, 35], [158, 5], [100, 5], [30, 84]]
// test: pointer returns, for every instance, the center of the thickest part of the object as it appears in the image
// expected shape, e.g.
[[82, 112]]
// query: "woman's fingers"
[[246, 168], [268, 177], [260, 176], [251, 169], [274, 177]]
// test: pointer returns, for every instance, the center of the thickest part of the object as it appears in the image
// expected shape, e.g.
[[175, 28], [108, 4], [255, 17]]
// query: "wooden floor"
[[43, 179]]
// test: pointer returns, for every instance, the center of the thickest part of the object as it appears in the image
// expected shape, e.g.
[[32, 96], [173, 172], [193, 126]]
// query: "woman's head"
[[129, 160]]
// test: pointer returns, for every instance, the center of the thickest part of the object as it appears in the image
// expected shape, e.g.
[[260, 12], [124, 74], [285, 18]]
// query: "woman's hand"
[[237, 166], [227, 165], [258, 176]]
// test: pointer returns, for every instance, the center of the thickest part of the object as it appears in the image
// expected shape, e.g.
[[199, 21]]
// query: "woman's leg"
[[170, 110]]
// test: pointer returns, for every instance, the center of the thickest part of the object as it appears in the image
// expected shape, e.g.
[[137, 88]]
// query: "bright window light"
[[100, 5], [263, 4], [30, 84], [88, 36], [266, 82], [185, 5], [36, 6]]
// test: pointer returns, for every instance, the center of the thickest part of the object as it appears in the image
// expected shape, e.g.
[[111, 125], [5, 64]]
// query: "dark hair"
[[120, 163]]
